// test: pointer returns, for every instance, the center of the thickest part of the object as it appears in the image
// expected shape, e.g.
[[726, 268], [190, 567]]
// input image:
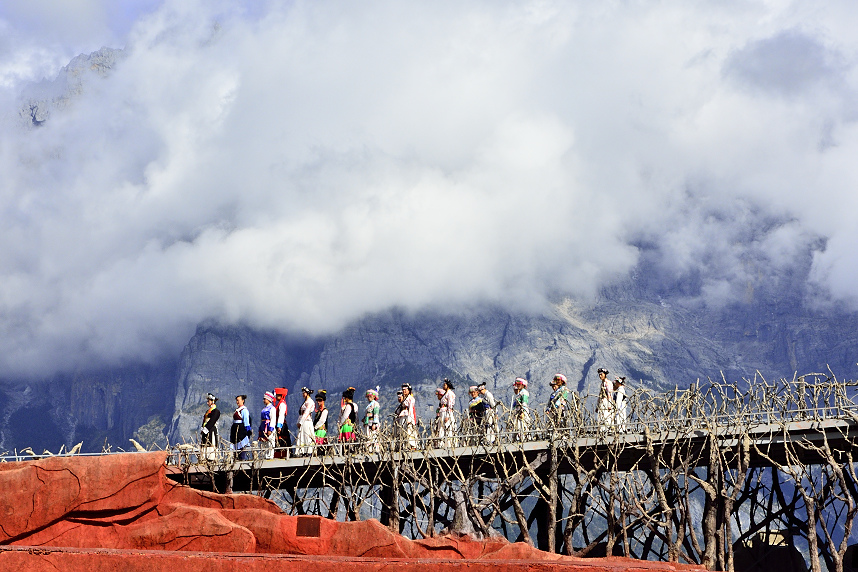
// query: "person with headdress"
[[436, 423], [208, 430], [398, 424], [446, 418], [348, 417], [284, 438], [605, 405], [520, 408], [372, 420], [491, 417], [476, 410], [241, 430], [558, 406], [267, 419], [408, 416], [620, 411], [305, 424], [320, 419]]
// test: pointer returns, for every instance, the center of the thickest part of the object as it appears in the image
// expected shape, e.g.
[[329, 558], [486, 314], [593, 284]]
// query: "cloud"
[[296, 166]]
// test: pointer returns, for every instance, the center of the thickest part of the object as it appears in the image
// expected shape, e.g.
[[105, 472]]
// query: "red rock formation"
[[126, 503]]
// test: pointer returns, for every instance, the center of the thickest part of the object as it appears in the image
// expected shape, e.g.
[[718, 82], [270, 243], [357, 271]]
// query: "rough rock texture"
[[49, 96], [125, 502], [89, 560]]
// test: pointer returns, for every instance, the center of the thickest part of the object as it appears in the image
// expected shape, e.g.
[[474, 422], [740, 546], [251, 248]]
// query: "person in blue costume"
[[267, 421]]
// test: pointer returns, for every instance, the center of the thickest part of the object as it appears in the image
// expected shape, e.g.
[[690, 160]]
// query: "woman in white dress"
[[305, 424], [605, 408]]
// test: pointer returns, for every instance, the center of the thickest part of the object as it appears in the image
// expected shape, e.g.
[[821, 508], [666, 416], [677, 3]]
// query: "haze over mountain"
[[343, 194]]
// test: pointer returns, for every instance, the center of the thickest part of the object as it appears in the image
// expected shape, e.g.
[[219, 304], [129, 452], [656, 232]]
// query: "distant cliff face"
[[653, 343], [656, 344], [97, 408], [229, 362]]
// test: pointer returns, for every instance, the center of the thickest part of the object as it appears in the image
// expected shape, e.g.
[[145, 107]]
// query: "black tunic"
[[210, 422]]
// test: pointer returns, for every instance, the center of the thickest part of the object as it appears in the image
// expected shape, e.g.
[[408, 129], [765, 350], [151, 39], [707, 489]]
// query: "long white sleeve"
[[306, 410], [323, 418]]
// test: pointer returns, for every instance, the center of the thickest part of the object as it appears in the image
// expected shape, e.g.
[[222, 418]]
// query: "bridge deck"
[[622, 452]]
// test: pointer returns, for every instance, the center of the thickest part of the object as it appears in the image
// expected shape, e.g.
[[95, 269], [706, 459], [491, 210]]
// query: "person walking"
[[267, 431], [605, 406], [558, 406], [408, 416], [490, 422], [320, 420], [398, 420], [520, 409], [348, 419], [476, 414], [446, 414], [284, 438], [305, 424], [621, 414], [436, 423], [208, 430], [372, 420], [241, 430]]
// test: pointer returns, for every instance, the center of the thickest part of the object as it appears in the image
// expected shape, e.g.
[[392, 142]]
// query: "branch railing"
[[715, 404]]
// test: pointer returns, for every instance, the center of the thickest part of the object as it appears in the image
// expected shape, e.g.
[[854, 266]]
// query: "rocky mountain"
[[48, 96], [655, 344]]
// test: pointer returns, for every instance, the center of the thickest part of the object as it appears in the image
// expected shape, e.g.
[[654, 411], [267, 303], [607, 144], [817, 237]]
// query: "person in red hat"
[[284, 438]]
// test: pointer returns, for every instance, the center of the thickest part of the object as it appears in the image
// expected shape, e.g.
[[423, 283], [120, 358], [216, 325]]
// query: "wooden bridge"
[[698, 475]]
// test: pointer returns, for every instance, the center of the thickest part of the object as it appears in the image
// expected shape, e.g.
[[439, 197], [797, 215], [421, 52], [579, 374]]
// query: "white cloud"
[[296, 166]]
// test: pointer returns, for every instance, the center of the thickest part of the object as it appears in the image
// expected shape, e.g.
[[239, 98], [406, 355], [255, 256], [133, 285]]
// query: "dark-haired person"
[[476, 414], [348, 418], [305, 424], [605, 407], [620, 411], [208, 430], [446, 419], [241, 430], [320, 419], [284, 438], [408, 416], [398, 421], [491, 419]]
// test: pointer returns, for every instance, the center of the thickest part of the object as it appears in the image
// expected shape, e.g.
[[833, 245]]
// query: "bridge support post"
[[390, 498], [546, 510]]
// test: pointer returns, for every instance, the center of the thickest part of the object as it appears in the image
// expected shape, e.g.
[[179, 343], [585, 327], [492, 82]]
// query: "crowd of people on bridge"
[[483, 417]]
